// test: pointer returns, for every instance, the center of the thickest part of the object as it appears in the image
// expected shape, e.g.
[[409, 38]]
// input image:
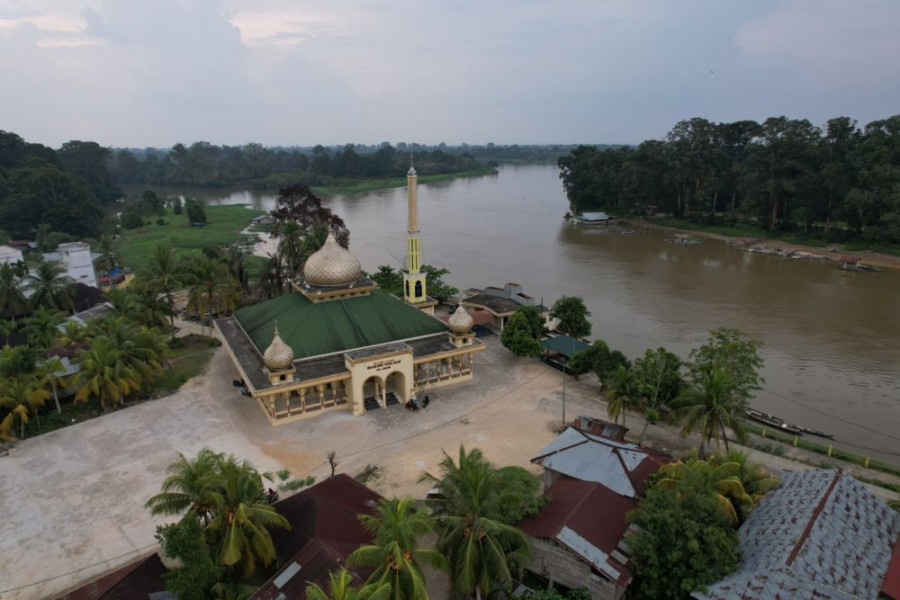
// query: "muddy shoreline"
[[770, 246]]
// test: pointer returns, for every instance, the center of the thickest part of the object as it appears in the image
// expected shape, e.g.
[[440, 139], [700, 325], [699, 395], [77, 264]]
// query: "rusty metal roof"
[[822, 535], [590, 521]]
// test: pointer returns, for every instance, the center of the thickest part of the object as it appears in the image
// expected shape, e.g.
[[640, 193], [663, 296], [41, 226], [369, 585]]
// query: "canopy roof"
[[565, 345], [316, 328]]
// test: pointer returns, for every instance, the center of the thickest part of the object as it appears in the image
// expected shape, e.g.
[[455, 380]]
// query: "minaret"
[[413, 279]]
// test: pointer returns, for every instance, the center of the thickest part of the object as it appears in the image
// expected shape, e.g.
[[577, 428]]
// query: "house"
[[500, 304], [325, 530], [142, 578], [78, 261], [8, 254], [620, 466], [822, 535], [577, 538]]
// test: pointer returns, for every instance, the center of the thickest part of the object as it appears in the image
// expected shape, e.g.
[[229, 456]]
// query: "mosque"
[[337, 342]]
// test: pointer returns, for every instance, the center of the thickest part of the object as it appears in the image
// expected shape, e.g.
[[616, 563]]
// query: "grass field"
[[223, 224]]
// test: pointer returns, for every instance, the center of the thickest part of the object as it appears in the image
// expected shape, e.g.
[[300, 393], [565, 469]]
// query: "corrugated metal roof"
[[565, 345], [822, 535], [620, 466], [590, 520]]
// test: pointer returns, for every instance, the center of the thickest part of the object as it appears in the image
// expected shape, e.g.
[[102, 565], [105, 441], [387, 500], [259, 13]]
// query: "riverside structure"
[[337, 342]]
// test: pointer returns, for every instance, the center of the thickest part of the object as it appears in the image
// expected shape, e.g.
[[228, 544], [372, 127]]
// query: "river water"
[[831, 338]]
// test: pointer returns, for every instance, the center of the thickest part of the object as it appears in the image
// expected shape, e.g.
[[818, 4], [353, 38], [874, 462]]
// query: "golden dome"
[[460, 321], [278, 355], [331, 265]]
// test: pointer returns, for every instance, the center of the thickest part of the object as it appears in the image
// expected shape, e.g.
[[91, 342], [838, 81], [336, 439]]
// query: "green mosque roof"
[[313, 329]]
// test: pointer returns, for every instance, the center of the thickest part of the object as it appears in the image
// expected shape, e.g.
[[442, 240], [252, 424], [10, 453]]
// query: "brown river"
[[831, 338]]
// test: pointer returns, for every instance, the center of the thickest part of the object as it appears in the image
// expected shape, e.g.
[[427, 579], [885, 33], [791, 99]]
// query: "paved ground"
[[72, 501]]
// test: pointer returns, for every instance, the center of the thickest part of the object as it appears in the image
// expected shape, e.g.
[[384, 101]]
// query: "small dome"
[[331, 265], [460, 321], [278, 355]]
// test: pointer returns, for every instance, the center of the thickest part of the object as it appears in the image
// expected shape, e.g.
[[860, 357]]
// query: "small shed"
[[558, 350]]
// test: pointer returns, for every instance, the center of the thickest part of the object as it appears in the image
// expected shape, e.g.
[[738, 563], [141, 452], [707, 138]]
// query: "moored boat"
[[773, 421]]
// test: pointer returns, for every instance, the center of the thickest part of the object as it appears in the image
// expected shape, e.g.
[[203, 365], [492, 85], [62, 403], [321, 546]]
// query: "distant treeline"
[[841, 183], [203, 164]]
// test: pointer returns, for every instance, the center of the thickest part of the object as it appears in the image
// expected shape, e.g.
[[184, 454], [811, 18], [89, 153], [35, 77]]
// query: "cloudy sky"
[[300, 72]]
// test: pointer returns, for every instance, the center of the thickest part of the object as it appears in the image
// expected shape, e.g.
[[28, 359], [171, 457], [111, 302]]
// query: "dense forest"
[[840, 183], [57, 195]]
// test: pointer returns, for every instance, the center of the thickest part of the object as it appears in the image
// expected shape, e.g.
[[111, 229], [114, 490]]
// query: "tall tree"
[[483, 551], [624, 392], [521, 334], [166, 277], [300, 205], [340, 587], [395, 555], [682, 543], [49, 286], [21, 396], [733, 352], [572, 315], [12, 301], [104, 374], [717, 479], [659, 379], [42, 327], [710, 406]]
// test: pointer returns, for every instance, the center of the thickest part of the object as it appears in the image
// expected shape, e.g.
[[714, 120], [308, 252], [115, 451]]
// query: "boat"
[[772, 421], [815, 432]]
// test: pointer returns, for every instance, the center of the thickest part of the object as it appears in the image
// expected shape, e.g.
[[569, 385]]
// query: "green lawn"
[[222, 226]]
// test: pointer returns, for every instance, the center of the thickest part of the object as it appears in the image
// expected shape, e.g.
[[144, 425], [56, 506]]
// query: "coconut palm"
[[12, 300], [49, 286], [757, 481], [720, 480], [211, 288], [22, 396], [340, 587], [42, 327], [105, 374], [226, 496], [108, 249], [241, 519], [624, 392], [150, 307], [397, 525], [140, 349], [165, 277], [189, 486], [481, 548], [51, 372], [711, 406]]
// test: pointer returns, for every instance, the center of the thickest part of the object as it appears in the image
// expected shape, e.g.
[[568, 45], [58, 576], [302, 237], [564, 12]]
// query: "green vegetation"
[[524, 331], [223, 227], [368, 185], [572, 315], [782, 178], [482, 547], [223, 536]]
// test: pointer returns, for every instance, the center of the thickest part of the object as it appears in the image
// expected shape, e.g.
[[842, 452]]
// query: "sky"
[[142, 73]]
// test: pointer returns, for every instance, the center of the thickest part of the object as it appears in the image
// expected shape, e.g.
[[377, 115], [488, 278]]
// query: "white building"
[[78, 261], [8, 254]]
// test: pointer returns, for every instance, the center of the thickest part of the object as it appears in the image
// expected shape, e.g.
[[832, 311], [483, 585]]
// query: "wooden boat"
[[772, 421], [815, 432]]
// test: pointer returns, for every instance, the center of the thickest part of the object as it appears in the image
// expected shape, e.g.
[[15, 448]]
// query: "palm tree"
[[757, 481], [108, 249], [709, 407], [624, 392], [12, 301], [189, 487], [716, 479], [340, 587], [165, 277], [49, 286], [104, 374], [212, 288], [241, 519], [226, 496], [479, 545], [42, 327], [51, 372], [22, 395], [394, 555], [140, 349]]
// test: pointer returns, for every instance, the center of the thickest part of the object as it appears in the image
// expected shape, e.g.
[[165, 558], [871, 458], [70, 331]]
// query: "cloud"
[[831, 43]]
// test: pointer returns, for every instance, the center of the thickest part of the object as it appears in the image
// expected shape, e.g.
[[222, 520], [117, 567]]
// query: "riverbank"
[[833, 252], [371, 185]]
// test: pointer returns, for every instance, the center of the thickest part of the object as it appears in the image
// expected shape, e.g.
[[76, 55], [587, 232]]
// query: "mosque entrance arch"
[[396, 388], [373, 393]]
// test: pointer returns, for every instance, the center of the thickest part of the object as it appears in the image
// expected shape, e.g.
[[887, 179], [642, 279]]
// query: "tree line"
[[839, 183]]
